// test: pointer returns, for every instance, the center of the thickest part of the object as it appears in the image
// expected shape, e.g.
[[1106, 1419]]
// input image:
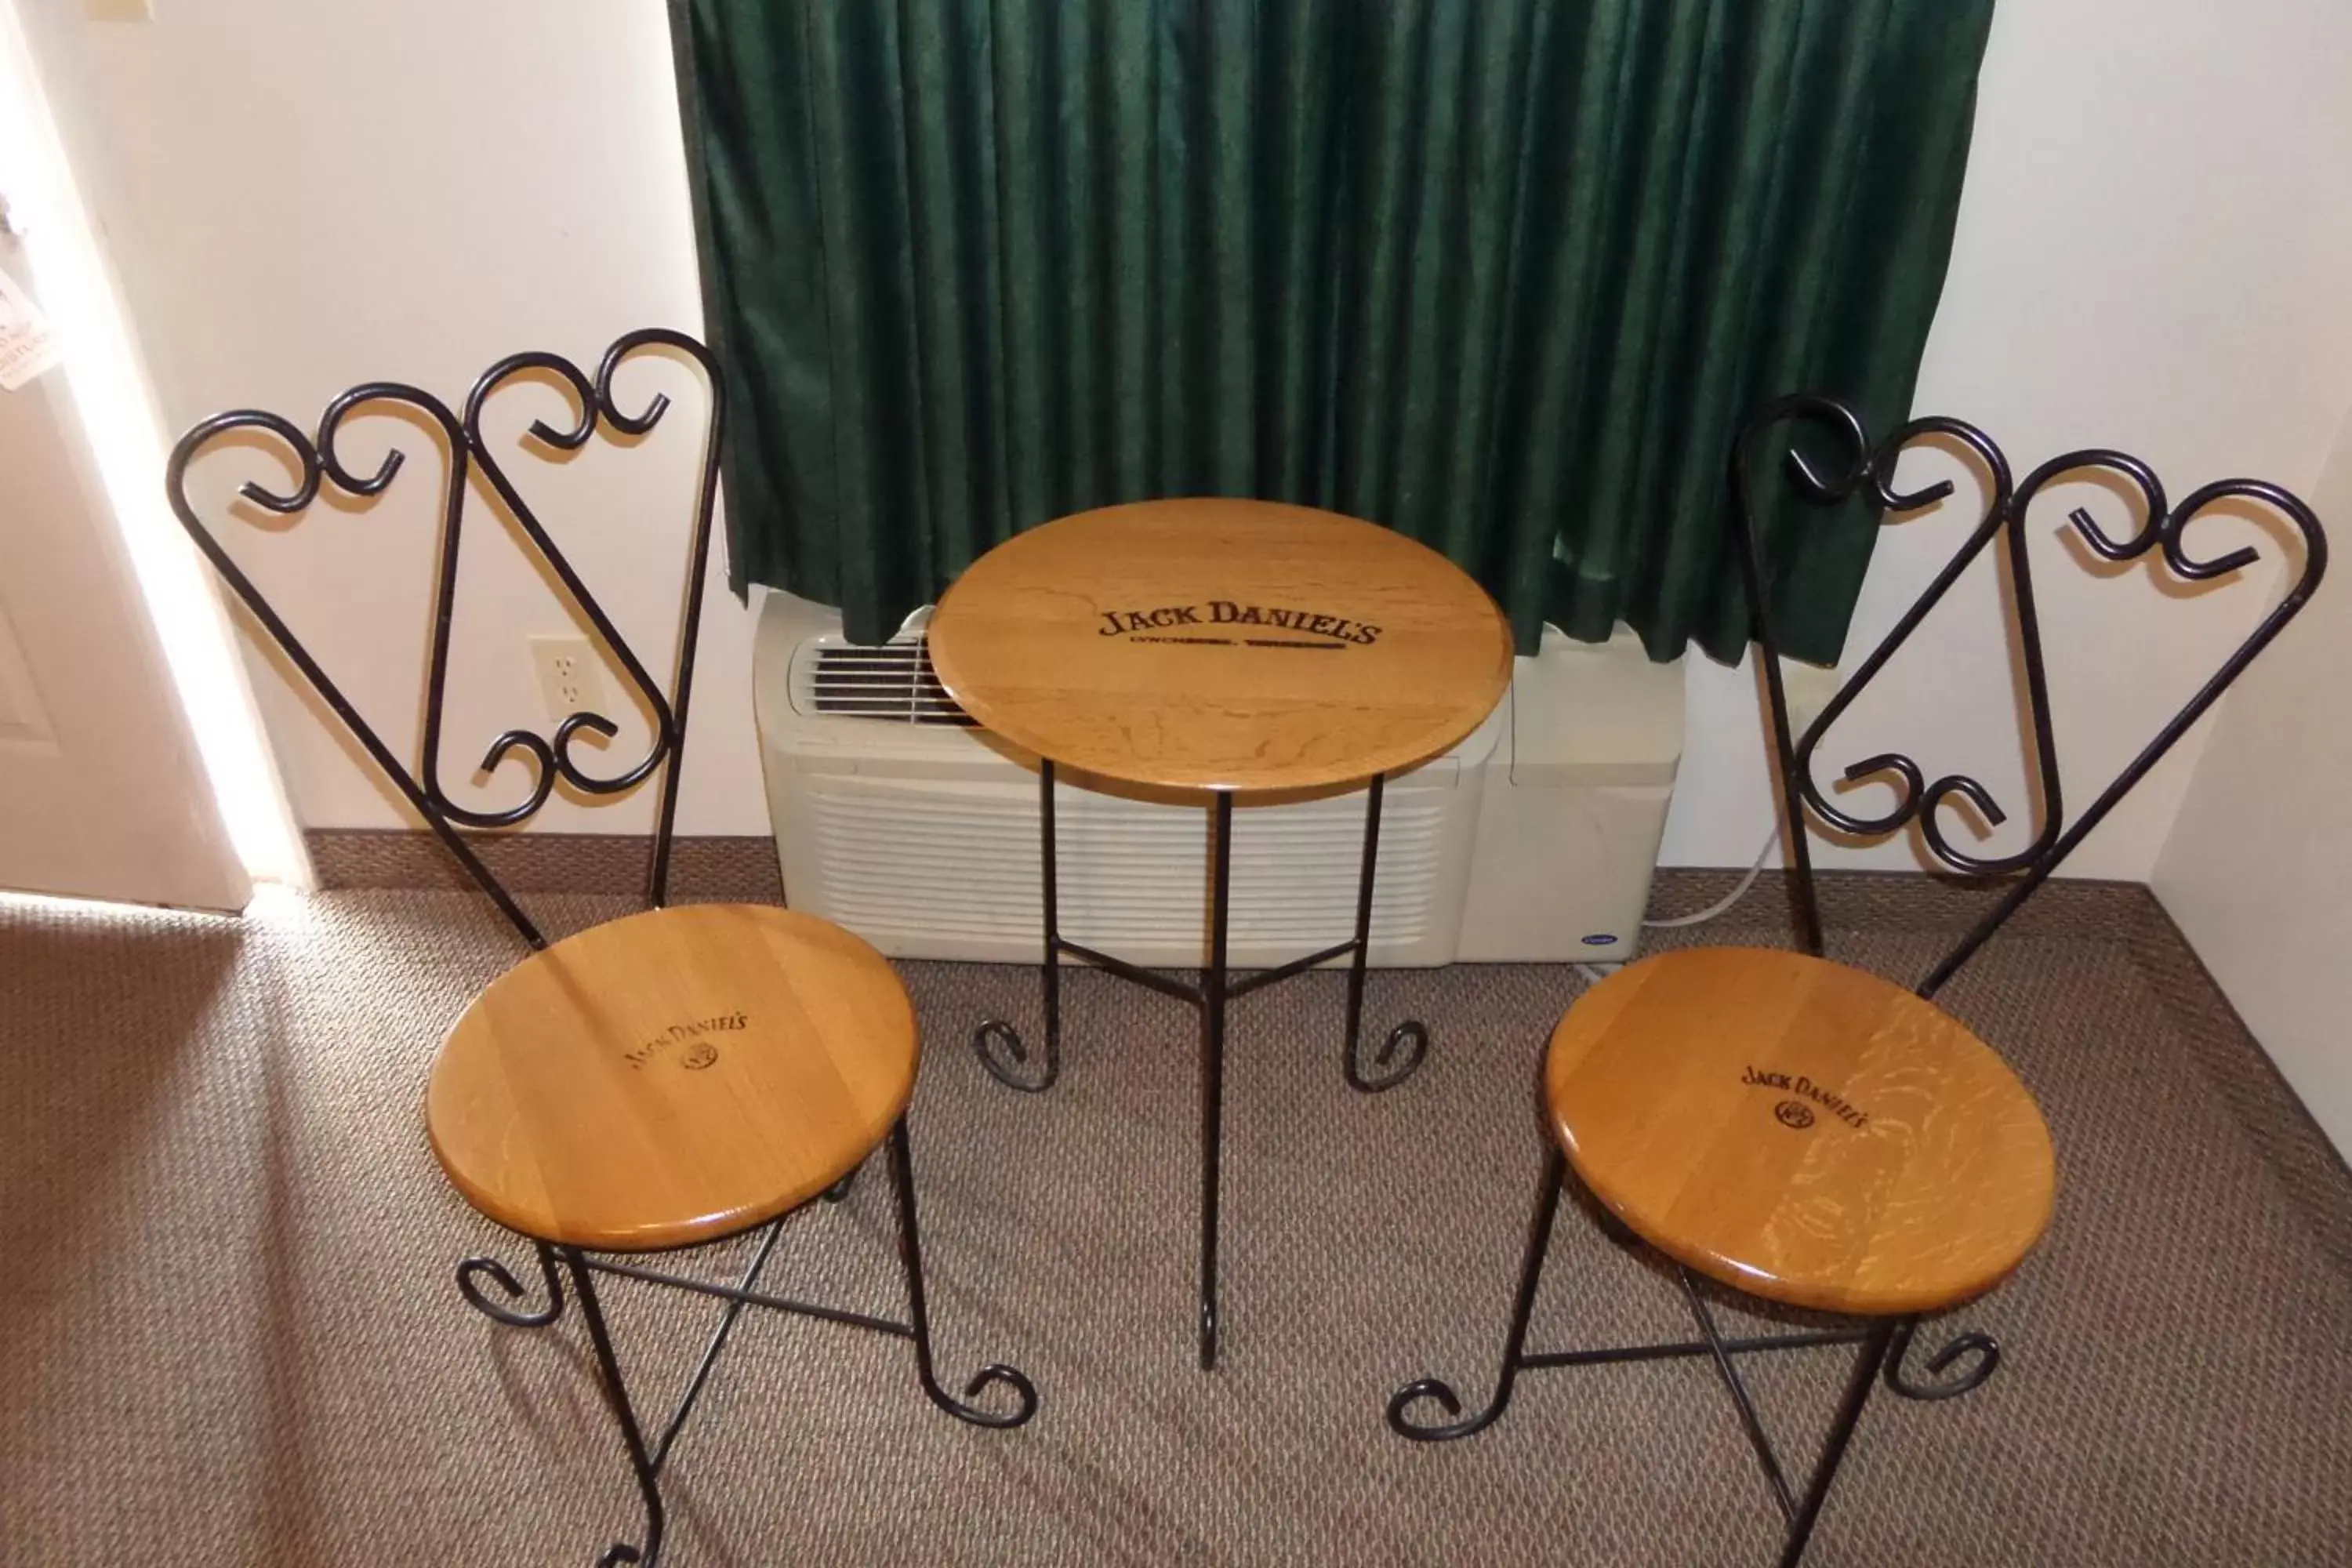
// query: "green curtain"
[[1503, 275]]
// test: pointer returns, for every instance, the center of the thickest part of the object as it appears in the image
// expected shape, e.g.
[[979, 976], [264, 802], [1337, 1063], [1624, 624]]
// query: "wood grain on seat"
[[1802, 1130], [1222, 644], [672, 1077]]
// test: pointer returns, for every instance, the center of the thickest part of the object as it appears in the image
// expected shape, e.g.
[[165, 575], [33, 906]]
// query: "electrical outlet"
[[570, 676]]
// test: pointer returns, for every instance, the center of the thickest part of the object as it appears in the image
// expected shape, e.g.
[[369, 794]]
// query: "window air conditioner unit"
[[896, 816]]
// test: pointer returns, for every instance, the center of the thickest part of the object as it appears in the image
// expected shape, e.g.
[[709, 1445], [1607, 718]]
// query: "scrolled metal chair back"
[[548, 758], [1869, 471]]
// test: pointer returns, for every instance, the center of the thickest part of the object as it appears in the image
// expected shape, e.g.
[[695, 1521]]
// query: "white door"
[[103, 791]]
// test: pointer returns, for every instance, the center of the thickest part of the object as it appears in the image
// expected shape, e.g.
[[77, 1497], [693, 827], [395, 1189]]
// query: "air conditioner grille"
[[899, 867], [895, 681]]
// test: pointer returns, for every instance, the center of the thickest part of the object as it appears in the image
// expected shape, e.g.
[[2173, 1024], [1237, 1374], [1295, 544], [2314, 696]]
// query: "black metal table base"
[[1007, 1058], [646, 1459], [1886, 1344]]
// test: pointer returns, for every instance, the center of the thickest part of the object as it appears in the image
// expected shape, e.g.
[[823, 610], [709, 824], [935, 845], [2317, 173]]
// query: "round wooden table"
[[1224, 646]]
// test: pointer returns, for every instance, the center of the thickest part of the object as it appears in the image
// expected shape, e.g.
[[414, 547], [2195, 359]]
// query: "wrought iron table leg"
[[1212, 1065], [1515, 1340], [997, 1039], [1410, 1037], [616, 1394], [918, 1317], [1002, 1051]]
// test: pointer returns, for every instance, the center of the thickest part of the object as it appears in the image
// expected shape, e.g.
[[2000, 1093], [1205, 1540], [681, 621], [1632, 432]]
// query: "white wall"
[[300, 197], [2258, 871], [305, 195], [2153, 254]]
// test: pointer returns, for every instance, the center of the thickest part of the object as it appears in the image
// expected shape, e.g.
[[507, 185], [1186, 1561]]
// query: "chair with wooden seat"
[[673, 1077], [1805, 1132]]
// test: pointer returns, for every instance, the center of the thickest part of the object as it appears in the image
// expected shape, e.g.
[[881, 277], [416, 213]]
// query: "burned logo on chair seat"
[[698, 1051], [1795, 1112]]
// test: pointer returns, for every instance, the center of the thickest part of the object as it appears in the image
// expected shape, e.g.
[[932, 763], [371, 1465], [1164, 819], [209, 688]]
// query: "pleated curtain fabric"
[[1505, 275]]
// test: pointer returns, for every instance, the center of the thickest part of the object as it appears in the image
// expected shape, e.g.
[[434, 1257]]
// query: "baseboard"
[[737, 869], [1916, 901], [744, 867]]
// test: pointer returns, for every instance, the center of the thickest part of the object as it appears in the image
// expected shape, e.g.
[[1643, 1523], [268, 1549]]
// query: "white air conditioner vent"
[[898, 817], [928, 864], [894, 682]]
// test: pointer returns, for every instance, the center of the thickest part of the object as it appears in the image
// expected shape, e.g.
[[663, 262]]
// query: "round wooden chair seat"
[[672, 1077], [1802, 1131]]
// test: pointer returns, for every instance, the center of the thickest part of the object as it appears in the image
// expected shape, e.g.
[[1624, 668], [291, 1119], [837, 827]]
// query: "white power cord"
[[1755, 869], [1594, 974]]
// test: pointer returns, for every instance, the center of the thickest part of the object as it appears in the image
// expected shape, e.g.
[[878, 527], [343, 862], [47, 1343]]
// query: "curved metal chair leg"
[[999, 1046], [840, 1189], [1616, 1229], [1808, 1512], [1982, 1346], [616, 1395], [471, 1272], [910, 1251], [1515, 1340]]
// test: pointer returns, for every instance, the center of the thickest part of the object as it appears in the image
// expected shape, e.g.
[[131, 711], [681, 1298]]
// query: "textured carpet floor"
[[228, 1333]]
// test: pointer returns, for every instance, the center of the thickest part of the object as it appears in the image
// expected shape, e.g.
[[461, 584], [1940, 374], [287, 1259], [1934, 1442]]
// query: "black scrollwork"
[[556, 751], [2164, 530], [1402, 1422], [1917, 799], [1868, 469], [1396, 1057], [445, 593], [1982, 1349], [547, 758], [1024, 1396], [1001, 1050], [474, 1270]]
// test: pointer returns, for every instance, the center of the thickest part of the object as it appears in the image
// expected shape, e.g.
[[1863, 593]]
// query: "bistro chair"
[[1809, 1133], [670, 1079]]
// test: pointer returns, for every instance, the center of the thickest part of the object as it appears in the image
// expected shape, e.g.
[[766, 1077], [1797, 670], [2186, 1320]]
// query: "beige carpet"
[[228, 1333]]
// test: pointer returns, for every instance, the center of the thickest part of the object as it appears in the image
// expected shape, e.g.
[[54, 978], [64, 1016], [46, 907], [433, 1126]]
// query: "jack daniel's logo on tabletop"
[[1792, 1112], [1225, 622]]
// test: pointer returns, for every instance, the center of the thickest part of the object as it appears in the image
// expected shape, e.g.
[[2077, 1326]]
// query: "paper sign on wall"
[[28, 347]]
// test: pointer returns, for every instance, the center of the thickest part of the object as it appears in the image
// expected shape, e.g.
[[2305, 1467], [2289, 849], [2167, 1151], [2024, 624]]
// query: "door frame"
[[122, 444]]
